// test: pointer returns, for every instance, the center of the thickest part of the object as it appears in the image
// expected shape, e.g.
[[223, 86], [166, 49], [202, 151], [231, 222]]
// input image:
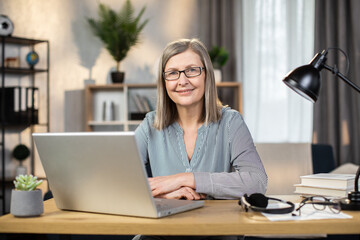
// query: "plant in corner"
[[26, 199], [219, 57], [119, 31]]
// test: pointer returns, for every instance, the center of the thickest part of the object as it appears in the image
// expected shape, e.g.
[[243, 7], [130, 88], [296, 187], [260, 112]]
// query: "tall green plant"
[[118, 31]]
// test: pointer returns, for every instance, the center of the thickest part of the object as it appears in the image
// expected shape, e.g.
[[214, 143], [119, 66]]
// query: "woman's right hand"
[[183, 193]]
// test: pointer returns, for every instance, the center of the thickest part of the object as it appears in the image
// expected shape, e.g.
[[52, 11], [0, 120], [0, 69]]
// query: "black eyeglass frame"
[[183, 71], [326, 202]]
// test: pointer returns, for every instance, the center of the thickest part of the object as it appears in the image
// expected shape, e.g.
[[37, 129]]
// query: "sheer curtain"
[[277, 36]]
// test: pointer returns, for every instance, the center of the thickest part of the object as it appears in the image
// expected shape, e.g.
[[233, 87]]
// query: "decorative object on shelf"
[[32, 58], [108, 111], [26, 200], [20, 153], [219, 57], [6, 26], [11, 62], [119, 31]]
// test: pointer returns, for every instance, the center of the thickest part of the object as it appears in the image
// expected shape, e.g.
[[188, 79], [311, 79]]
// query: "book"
[[332, 192], [328, 180], [138, 103]]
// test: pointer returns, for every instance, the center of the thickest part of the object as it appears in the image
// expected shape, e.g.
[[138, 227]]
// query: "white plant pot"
[[217, 73], [26, 203]]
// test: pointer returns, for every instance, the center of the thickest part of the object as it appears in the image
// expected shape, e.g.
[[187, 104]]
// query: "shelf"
[[22, 70], [92, 105], [17, 123], [21, 41], [120, 86], [106, 123], [113, 123]]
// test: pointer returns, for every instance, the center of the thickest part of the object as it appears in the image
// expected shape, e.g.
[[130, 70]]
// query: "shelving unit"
[[21, 71], [93, 103]]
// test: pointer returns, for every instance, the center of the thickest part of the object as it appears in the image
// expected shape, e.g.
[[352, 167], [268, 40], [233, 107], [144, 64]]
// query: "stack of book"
[[326, 184]]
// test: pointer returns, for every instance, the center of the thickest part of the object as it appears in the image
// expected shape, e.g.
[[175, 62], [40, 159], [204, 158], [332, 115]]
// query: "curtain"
[[217, 28], [337, 111], [277, 36]]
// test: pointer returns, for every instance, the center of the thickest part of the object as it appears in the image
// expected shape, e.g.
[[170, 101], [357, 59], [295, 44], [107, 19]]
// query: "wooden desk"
[[215, 218]]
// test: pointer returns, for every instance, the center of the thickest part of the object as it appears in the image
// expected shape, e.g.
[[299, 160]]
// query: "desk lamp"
[[305, 80]]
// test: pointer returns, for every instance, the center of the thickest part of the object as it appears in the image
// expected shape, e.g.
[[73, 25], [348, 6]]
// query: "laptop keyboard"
[[162, 205]]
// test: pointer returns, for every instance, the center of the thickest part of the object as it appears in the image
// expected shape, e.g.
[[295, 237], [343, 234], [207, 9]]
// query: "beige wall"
[[75, 53]]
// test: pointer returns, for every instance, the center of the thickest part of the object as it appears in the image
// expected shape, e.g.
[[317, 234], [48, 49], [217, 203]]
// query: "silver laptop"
[[101, 172]]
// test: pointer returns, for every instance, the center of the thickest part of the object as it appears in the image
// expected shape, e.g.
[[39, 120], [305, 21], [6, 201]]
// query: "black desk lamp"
[[305, 80]]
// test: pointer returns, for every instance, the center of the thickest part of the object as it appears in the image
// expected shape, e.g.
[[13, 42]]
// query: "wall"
[[76, 55]]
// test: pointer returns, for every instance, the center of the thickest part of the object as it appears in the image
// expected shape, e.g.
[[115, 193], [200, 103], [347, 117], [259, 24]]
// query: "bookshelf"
[[22, 115], [122, 97]]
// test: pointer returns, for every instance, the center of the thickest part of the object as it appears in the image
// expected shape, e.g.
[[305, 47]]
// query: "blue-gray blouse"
[[225, 162]]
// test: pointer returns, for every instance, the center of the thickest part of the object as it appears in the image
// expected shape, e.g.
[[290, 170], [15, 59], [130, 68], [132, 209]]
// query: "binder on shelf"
[[11, 105], [32, 105]]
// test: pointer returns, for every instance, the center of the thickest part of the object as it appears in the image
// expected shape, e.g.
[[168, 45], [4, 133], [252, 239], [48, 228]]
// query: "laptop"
[[101, 172]]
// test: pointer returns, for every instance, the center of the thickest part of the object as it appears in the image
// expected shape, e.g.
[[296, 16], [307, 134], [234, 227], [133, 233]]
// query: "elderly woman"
[[197, 148]]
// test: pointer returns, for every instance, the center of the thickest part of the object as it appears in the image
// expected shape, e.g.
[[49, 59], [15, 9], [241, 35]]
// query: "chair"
[[286, 162], [322, 158]]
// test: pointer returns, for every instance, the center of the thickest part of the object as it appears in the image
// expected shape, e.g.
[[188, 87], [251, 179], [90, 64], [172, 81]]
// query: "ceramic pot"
[[26, 203], [217, 75], [117, 77]]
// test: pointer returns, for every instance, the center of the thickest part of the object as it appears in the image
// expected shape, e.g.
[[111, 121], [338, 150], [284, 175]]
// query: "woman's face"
[[186, 91]]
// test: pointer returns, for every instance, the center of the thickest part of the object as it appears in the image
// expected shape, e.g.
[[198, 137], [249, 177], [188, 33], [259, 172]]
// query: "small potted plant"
[[119, 31], [26, 199], [219, 57]]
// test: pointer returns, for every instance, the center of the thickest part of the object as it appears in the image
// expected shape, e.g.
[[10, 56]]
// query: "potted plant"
[[219, 57], [20, 153], [119, 31], [26, 199]]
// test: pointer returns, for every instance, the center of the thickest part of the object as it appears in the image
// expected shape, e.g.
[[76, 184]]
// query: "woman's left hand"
[[165, 184]]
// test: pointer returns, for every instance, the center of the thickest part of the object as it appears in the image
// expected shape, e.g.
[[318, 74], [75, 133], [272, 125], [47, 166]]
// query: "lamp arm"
[[357, 180], [340, 75]]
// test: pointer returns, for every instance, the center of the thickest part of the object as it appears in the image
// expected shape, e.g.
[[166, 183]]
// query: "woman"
[[196, 147]]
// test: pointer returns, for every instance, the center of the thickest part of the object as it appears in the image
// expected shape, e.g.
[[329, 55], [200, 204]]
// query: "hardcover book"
[[329, 180], [326, 184]]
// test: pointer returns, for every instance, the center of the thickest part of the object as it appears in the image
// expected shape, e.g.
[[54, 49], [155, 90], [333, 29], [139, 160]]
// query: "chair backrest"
[[284, 164], [322, 158]]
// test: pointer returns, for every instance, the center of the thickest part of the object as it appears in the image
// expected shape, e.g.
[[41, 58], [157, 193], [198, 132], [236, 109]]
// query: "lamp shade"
[[304, 80]]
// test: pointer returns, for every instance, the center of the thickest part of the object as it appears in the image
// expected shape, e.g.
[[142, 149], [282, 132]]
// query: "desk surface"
[[217, 217]]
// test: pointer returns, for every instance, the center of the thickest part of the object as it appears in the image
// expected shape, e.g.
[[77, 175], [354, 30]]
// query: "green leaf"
[[26, 183]]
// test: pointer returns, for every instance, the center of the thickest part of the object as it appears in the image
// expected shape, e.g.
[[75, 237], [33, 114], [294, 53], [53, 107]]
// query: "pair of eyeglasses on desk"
[[319, 203]]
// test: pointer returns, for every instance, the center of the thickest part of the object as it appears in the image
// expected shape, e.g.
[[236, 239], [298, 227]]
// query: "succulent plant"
[[26, 183]]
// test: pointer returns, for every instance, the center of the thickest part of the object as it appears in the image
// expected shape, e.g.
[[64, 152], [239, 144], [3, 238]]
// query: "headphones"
[[258, 202]]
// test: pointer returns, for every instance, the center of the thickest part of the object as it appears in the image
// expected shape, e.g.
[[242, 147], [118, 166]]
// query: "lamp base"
[[351, 203]]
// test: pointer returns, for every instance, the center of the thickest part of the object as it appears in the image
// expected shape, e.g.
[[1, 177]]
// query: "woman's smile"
[[185, 91]]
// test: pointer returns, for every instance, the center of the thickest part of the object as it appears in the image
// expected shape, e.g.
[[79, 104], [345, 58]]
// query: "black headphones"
[[259, 202]]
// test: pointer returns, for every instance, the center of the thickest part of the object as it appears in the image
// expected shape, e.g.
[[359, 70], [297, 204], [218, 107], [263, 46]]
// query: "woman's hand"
[[167, 184], [183, 193]]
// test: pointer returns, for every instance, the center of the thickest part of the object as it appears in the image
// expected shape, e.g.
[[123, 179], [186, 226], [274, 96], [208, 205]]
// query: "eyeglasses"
[[189, 72], [320, 203]]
